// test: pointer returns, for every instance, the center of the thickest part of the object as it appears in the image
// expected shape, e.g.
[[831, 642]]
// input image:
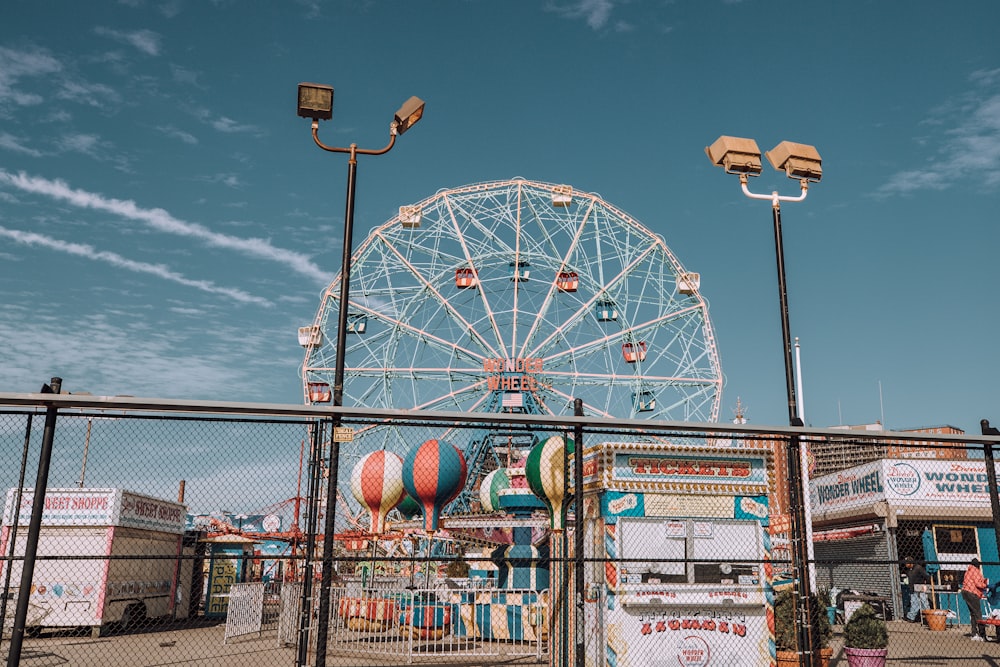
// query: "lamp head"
[[799, 161], [315, 101], [736, 155], [408, 114]]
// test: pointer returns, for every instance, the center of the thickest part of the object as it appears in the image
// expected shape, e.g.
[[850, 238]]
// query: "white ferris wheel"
[[520, 296], [515, 296]]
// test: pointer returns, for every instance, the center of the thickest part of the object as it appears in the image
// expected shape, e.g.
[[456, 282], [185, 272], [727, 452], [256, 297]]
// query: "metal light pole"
[[799, 161], [316, 101]]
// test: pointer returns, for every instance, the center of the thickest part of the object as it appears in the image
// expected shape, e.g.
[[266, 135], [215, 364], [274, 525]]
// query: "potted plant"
[[785, 630], [826, 600], [866, 639]]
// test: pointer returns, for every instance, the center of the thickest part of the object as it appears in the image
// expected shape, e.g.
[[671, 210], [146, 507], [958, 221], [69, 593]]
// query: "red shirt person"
[[974, 586]]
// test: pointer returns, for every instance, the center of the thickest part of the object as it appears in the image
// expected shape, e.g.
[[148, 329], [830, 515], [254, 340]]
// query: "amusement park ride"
[[509, 297]]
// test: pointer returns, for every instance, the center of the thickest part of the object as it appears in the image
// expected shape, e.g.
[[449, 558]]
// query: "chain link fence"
[[233, 534]]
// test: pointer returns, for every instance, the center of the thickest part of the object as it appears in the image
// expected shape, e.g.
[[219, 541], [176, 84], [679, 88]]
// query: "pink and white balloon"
[[377, 483]]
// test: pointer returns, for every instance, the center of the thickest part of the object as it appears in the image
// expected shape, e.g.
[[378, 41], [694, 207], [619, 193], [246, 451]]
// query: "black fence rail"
[[155, 532]]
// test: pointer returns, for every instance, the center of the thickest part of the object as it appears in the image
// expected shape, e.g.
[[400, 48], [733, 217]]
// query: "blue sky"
[[166, 222]]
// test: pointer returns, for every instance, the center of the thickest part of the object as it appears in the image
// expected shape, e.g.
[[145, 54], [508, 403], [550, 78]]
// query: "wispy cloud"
[[595, 12], [171, 131], [11, 143], [224, 124], [116, 260], [146, 41], [185, 76], [81, 143], [229, 180], [230, 126], [15, 65], [968, 151], [92, 146], [91, 94], [98, 353], [162, 221]]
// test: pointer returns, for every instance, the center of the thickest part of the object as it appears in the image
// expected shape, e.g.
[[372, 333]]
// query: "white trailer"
[[104, 556]]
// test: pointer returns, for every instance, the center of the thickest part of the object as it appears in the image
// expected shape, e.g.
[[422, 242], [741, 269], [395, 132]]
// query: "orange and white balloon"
[[377, 483]]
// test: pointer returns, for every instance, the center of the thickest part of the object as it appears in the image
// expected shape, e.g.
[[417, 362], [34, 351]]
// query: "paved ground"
[[203, 647], [912, 644], [198, 647]]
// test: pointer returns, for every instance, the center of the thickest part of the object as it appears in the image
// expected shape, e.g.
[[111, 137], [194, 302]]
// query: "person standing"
[[974, 586], [919, 582]]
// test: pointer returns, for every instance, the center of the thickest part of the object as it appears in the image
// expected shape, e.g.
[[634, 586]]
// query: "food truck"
[[679, 538], [102, 524]]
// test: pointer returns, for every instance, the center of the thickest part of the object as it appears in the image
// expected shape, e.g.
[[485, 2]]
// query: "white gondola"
[[688, 283], [562, 195], [311, 335], [410, 216]]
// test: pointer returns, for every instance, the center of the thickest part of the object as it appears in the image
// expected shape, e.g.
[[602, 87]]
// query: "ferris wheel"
[[520, 296]]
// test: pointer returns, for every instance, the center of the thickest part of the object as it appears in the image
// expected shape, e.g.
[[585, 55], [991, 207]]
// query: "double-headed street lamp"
[[316, 102], [801, 162]]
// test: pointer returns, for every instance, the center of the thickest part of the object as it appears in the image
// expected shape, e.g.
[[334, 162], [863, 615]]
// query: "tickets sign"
[[703, 470]]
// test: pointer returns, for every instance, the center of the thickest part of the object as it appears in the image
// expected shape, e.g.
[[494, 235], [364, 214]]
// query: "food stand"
[[679, 538], [124, 556], [927, 509]]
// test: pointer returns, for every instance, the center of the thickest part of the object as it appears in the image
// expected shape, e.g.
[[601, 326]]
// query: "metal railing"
[[876, 498]]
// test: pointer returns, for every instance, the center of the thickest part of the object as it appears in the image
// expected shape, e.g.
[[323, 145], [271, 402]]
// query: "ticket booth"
[[679, 538]]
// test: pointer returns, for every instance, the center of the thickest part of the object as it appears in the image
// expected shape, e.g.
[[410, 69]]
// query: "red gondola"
[[634, 352]]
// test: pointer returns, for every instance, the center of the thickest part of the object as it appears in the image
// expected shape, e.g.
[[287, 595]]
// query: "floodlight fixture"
[[315, 101], [408, 114], [799, 161], [736, 155]]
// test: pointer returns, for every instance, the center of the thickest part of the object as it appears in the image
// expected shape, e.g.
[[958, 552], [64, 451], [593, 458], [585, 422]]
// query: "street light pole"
[[796, 493], [316, 101], [798, 161]]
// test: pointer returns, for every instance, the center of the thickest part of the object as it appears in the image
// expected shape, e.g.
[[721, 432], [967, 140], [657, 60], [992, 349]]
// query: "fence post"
[[35, 527], [312, 508], [991, 478], [14, 523], [579, 629]]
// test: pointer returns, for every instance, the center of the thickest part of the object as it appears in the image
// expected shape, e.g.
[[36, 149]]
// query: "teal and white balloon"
[[490, 487]]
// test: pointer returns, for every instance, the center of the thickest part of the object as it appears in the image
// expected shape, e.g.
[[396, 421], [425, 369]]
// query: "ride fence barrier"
[[439, 624], [245, 613], [210, 533]]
